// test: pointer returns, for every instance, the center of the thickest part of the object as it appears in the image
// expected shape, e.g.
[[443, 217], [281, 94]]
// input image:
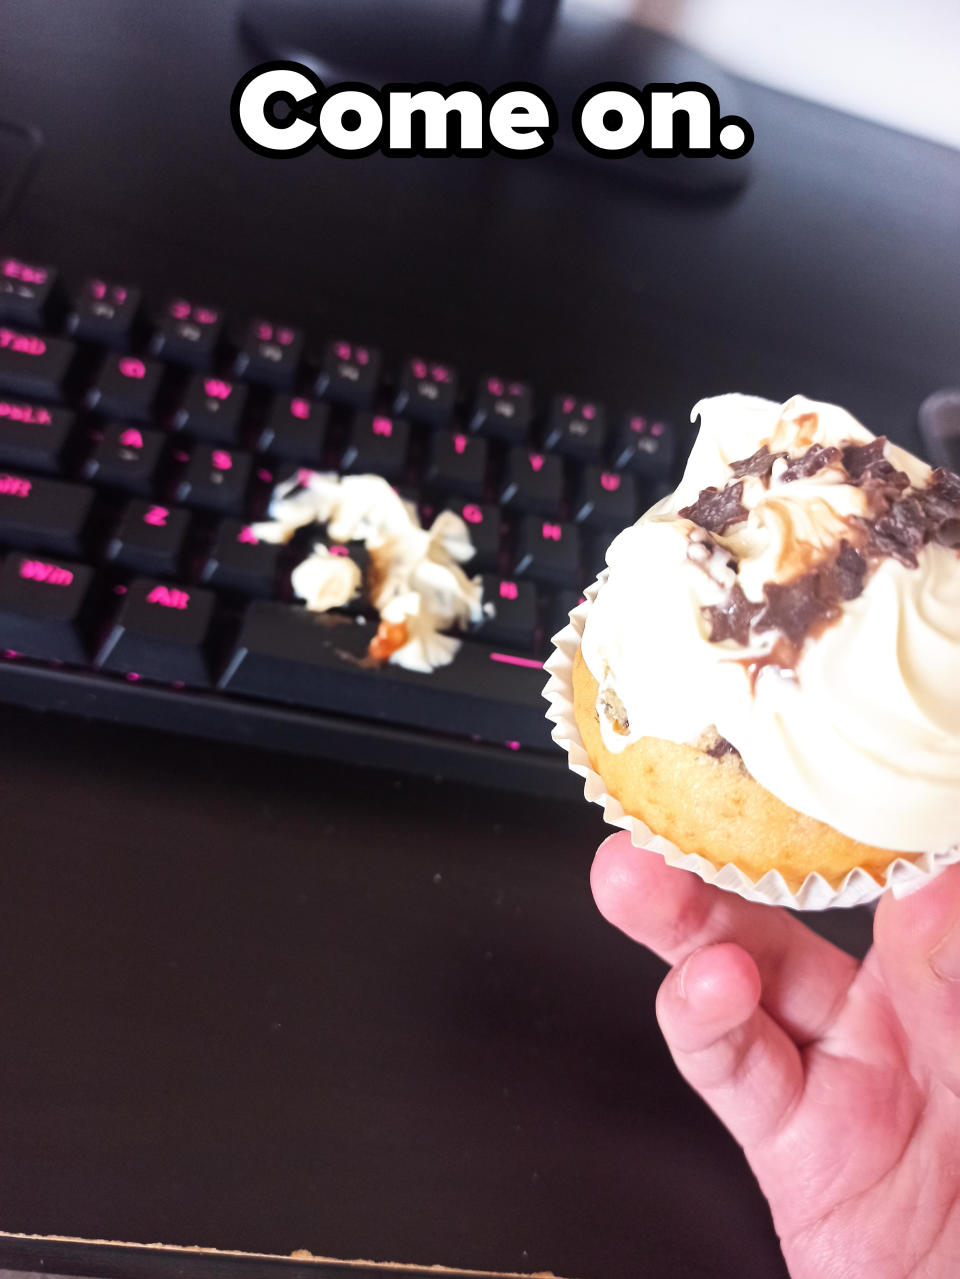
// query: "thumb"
[[917, 941]]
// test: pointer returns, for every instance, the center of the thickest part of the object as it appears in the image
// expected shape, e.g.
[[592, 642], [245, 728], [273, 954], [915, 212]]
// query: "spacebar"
[[286, 654]]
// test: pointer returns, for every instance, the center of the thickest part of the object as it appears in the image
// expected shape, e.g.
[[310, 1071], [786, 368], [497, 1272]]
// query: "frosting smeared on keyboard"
[[799, 595], [415, 580]]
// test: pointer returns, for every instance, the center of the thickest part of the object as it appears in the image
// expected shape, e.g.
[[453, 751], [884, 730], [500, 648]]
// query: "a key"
[[350, 374], [42, 607], [647, 448], [376, 444], [533, 482], [126, 387], [32, 365], [295, 429], [576, 428], [160, 633], [483, 525], [318, 660], [126, 457], [212, 410], [427, 392], [239, 562], [106, 313], [558, 609], [607, 499], [33, 435], [457, 464], [510, 609], [548, 552], [43, 513], [29, 292], [149, 539], [188, 333], [502, 409], [217, 479], [270, 353]]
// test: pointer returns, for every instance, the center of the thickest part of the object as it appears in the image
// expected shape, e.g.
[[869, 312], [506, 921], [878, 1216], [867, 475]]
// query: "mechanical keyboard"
[[139, 447]]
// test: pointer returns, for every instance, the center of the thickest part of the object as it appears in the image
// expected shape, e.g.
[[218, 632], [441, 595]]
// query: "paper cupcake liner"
[[815, 893]]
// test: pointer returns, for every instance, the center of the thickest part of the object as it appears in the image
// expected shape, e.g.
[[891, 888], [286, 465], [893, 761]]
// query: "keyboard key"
[[607, 499], [33, 435], [126, 387], [558, 608], [533, 482], [576, 428], [503, 409], [313, 659], [28, 292], [216, 479], [212, 410], [295, 429], [350, 374], [43, 513], [42, 608], [427, 392], [106, 313], [271, 353], [548, 552], [357, 552], [376, 444], [127, 457], [514, 613], [160, 633], [239, 562], [648, 449], [149, 539], [483, 525], [457, 464], [32, 365], [188, 333]]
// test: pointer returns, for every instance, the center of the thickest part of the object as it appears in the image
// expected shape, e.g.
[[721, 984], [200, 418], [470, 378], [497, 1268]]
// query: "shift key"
[[319, 660], [43, 514]]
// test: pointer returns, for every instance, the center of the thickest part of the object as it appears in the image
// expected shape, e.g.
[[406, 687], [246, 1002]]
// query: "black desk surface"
[[262, 1003]]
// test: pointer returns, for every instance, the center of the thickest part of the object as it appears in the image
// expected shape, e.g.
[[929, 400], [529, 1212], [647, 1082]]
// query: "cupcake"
[[767, 676]]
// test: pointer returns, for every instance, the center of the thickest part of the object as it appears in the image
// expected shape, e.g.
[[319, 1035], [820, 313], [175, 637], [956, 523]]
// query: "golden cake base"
[[713, 807]]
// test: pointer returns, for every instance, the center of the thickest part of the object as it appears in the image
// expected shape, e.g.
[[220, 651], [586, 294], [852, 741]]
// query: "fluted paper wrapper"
[[815, 893]]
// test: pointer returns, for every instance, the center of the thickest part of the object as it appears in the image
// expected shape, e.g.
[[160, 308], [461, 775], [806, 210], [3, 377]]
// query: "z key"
[[149, 539]]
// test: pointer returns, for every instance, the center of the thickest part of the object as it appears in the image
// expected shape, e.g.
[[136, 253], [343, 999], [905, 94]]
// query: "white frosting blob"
[[866, 734]]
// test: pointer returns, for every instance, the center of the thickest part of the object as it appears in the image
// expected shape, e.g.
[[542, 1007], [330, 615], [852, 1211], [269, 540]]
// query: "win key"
[[42, 603], [160, 633]]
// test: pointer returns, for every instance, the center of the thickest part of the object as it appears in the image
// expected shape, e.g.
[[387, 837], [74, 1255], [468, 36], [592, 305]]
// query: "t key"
[[458, 464], [533, 482], [483, 525], [41, 607], [427, 392], [510, 613], [160, 633], [377, 444], [607, 499], [295, 429]]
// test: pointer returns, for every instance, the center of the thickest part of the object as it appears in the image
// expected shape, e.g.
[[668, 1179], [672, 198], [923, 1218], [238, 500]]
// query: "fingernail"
[[945, 957]]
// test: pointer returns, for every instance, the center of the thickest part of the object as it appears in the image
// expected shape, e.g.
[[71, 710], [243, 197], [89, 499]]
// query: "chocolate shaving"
[[731, 620], [759, 464], [815, 459], [716, 509], [843, 578], [866, 466], [794, 608], [722, 747], [900, 533], [941, 505]]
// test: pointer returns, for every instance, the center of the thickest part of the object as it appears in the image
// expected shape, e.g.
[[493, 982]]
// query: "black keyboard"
[[139, 445]]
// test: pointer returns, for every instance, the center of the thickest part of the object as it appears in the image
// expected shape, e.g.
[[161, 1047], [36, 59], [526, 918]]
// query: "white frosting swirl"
[[864, 733]]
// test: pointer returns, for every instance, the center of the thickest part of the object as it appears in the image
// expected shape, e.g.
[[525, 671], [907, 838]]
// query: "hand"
[[841, 1081]]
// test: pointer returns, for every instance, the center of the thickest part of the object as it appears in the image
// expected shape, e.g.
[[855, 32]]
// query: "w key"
[[41, 608], [160, 633]]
